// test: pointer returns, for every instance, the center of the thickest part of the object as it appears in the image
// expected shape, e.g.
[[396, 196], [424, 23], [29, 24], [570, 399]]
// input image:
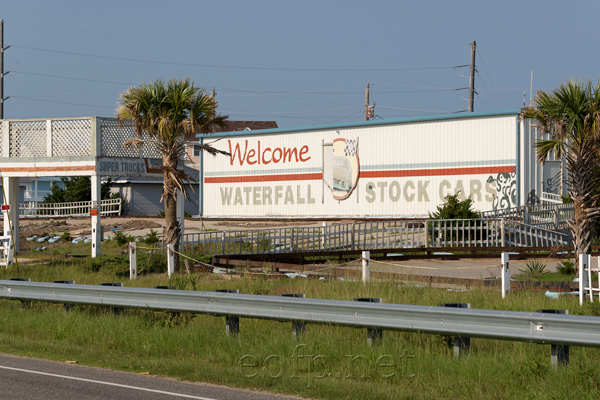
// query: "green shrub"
[[151, 237], [122, 239], [534, 269], [566, 267], [153, 262]]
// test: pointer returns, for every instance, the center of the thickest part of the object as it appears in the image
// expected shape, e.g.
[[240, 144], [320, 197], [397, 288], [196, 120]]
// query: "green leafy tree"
[[78, 188], [569, 117], [455, 208], [167, 112]]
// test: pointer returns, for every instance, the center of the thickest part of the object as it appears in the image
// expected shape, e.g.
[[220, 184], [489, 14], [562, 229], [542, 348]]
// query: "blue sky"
[[298, 63]]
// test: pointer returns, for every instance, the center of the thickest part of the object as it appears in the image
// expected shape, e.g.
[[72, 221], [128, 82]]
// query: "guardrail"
[[73, 209], [534, 327]]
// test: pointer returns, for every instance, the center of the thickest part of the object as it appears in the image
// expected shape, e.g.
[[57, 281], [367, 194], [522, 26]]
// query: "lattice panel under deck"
[[114, 137], [71, 138], [27, 139]]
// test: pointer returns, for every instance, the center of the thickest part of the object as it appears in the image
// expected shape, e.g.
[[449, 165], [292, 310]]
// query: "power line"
[[292, 69], [196, 39], [71, 78], [60, 102]]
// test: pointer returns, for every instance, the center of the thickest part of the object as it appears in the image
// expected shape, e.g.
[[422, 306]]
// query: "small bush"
[[152, 263], [566, 267], [534, 269], [151, 237], [121, 238]]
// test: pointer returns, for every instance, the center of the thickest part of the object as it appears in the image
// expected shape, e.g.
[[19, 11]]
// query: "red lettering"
[[263, 156], [287, 154], [251, 155], [303, 151], [277, 154], [238, 152]]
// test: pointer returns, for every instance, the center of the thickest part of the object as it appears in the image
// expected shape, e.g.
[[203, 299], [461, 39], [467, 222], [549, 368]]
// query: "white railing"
[[368, 236], [74, 209], [551, 198]]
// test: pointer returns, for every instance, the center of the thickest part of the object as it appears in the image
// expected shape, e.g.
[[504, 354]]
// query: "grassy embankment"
[[326, 362]]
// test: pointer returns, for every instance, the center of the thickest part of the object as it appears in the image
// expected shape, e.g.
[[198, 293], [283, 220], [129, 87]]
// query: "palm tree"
[[167, 112], [570, 116]]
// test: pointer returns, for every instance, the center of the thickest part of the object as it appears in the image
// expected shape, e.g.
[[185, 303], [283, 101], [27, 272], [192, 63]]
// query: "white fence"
[[74, 209], [362, 236]]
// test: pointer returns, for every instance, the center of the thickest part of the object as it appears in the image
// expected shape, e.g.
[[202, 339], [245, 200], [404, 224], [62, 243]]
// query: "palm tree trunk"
[[172, 229], [582, 169]]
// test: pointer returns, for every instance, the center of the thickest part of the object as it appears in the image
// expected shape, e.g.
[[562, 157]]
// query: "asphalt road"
[[33, 379]]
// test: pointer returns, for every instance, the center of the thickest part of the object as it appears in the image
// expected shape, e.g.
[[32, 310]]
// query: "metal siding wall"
[[405, 170]]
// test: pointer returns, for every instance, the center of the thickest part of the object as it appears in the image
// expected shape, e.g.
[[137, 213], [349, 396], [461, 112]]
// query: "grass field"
[[325, 362]]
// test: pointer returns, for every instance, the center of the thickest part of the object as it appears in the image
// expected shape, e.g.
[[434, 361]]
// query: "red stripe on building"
[[365, 174], [437, 172]]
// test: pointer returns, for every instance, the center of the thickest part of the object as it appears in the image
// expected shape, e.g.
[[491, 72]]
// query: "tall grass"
[[328, 362]]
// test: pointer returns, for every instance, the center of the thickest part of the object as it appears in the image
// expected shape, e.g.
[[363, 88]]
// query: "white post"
[[366, 266], [324, 229], [95, 213], [584, 264], [132, 261], [170, 259], [505, 275], [11, 191]]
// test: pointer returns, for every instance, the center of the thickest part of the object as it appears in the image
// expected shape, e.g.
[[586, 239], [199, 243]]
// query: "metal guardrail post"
[[298, 327], [232, 323], [67, 306], [462, 344], [559, 352], [374, 335], [25, 304]]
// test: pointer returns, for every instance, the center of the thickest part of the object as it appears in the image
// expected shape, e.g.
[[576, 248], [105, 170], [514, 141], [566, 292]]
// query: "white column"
[[505, 275], [132, 261], [366, 266], [11, 191], [584, 264], [170, 260], [96, 227]]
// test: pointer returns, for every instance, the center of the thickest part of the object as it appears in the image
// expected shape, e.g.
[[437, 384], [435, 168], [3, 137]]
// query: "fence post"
[[170, 259], [323, 230], [298, 327], [366, 266], [132, 261], [584, 264], [374, 335], [461, 343], [556, 217], [505, 275], [232, 323], [353, 233], [559, 352], [502, 233]]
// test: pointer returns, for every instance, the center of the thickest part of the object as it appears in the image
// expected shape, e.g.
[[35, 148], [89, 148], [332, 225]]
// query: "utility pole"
[[1, 69], [213, 93], [367, 102], [472, 77]]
